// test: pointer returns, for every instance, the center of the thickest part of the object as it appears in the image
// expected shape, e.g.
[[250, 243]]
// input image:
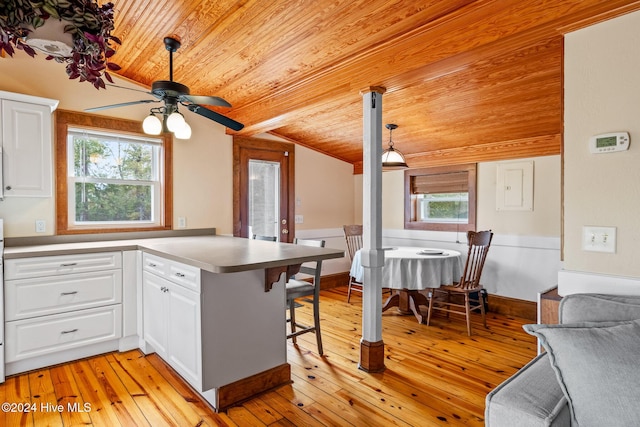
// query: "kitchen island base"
[[222, 333]]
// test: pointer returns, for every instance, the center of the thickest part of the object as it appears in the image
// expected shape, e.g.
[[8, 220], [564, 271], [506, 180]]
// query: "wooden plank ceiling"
[[466, 80]]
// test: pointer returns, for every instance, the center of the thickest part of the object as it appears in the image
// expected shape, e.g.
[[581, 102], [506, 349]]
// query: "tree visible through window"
[[114, 178]]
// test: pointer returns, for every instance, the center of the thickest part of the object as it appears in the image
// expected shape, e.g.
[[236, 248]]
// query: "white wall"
[[324, 194], [602, 94]]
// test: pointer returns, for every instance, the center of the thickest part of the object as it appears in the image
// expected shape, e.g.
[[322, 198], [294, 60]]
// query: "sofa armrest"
[[531, 397]]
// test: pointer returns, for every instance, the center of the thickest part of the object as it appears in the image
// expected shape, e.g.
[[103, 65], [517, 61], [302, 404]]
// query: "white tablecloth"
[[408, 268]]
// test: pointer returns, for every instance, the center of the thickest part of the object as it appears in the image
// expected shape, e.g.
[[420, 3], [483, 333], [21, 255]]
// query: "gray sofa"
[[590, 357]]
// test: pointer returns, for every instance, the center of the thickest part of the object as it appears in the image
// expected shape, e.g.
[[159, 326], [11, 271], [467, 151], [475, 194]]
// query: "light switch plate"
[[599, 239]]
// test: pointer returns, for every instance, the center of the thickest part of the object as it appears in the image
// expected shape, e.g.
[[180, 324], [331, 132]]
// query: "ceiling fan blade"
[[130, 88], [123, 104], [206, 100], [216, 117]]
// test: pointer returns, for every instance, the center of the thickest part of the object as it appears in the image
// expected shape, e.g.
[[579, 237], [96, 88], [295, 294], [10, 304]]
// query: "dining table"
[[410, 270]]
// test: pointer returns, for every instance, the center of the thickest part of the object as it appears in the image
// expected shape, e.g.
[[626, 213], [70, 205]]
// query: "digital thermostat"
[[609, 142]]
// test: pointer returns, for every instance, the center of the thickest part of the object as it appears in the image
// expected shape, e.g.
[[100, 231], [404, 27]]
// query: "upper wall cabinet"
[[26, 145]]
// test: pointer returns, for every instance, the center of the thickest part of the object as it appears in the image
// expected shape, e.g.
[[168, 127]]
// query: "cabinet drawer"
[[154, 264], [26, 298], [177, 272], [23, 268], [45, 335]]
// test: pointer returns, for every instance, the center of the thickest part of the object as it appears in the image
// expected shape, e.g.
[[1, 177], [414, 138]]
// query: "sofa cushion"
[[531, 397], [599, 308], [596, 364]]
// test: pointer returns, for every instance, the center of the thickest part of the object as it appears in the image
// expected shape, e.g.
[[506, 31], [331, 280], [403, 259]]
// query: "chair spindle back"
[[353, 235], [479, 242]]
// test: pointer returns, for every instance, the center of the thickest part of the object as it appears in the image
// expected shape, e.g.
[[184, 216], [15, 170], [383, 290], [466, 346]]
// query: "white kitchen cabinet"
[[61, 308], [172, 315], [26, 141], [154, 307]]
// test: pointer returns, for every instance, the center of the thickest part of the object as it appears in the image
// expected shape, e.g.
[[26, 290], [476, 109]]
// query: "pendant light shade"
[[392, 158]]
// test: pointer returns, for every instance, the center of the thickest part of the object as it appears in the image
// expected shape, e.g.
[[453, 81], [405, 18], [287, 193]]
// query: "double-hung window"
[[113, 179], [441, 198], [110, 176]]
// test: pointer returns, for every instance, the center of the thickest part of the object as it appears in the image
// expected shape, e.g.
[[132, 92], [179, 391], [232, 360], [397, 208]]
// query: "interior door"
[[263, 188]]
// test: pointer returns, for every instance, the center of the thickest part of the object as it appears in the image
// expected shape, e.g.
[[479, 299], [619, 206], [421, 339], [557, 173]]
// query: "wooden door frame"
[[240, 143]]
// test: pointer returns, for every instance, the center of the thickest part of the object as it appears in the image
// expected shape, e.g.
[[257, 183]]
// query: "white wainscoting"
[[516, 267]]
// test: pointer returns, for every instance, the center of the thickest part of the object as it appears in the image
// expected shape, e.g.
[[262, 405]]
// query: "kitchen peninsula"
[[213, 307]]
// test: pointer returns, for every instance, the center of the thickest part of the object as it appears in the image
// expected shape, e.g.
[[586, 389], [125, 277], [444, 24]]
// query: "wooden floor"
[[434, 375]]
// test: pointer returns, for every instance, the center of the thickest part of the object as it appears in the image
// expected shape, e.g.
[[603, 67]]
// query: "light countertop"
[[217, 254]]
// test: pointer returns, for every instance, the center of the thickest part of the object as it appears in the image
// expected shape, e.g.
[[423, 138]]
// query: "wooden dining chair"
[[353, 236], [302, 288], [469, 283]]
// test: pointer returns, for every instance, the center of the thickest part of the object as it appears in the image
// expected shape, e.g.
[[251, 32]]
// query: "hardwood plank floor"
[[434, 376]]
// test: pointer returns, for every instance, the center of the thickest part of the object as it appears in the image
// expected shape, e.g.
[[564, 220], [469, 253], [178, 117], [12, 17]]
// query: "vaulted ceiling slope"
[[466, 80]]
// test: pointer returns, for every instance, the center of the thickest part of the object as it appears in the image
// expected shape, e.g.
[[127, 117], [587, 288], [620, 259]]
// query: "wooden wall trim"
[[513, 307]]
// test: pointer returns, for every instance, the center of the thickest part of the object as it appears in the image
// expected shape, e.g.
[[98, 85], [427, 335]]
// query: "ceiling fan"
[[173, 93]]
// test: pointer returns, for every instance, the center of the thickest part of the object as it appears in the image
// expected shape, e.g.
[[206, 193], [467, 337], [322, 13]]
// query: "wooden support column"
[[372, 256]]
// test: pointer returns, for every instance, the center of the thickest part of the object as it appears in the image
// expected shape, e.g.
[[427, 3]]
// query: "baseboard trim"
[[497, 304], [236, 392], [513, 307], [335, 280]]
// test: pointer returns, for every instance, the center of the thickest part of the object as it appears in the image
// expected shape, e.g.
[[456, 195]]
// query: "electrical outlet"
[[41, 226], [182, 222], [299, 219]]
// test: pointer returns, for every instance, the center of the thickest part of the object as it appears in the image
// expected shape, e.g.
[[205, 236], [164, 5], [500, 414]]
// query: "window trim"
[[66, 119], [410, 224]]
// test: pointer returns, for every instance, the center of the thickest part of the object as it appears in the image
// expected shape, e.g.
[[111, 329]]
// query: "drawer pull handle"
[[68, 293], [180, 274], [152, 264], [69, 332], [71, 264]]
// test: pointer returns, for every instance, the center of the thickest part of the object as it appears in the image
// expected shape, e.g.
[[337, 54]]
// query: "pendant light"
[[392, 158]]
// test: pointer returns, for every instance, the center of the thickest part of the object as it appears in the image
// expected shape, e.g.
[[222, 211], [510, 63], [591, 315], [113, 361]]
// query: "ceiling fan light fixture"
[[184, 132], [152, 125], [175, 121], [392, 158]]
